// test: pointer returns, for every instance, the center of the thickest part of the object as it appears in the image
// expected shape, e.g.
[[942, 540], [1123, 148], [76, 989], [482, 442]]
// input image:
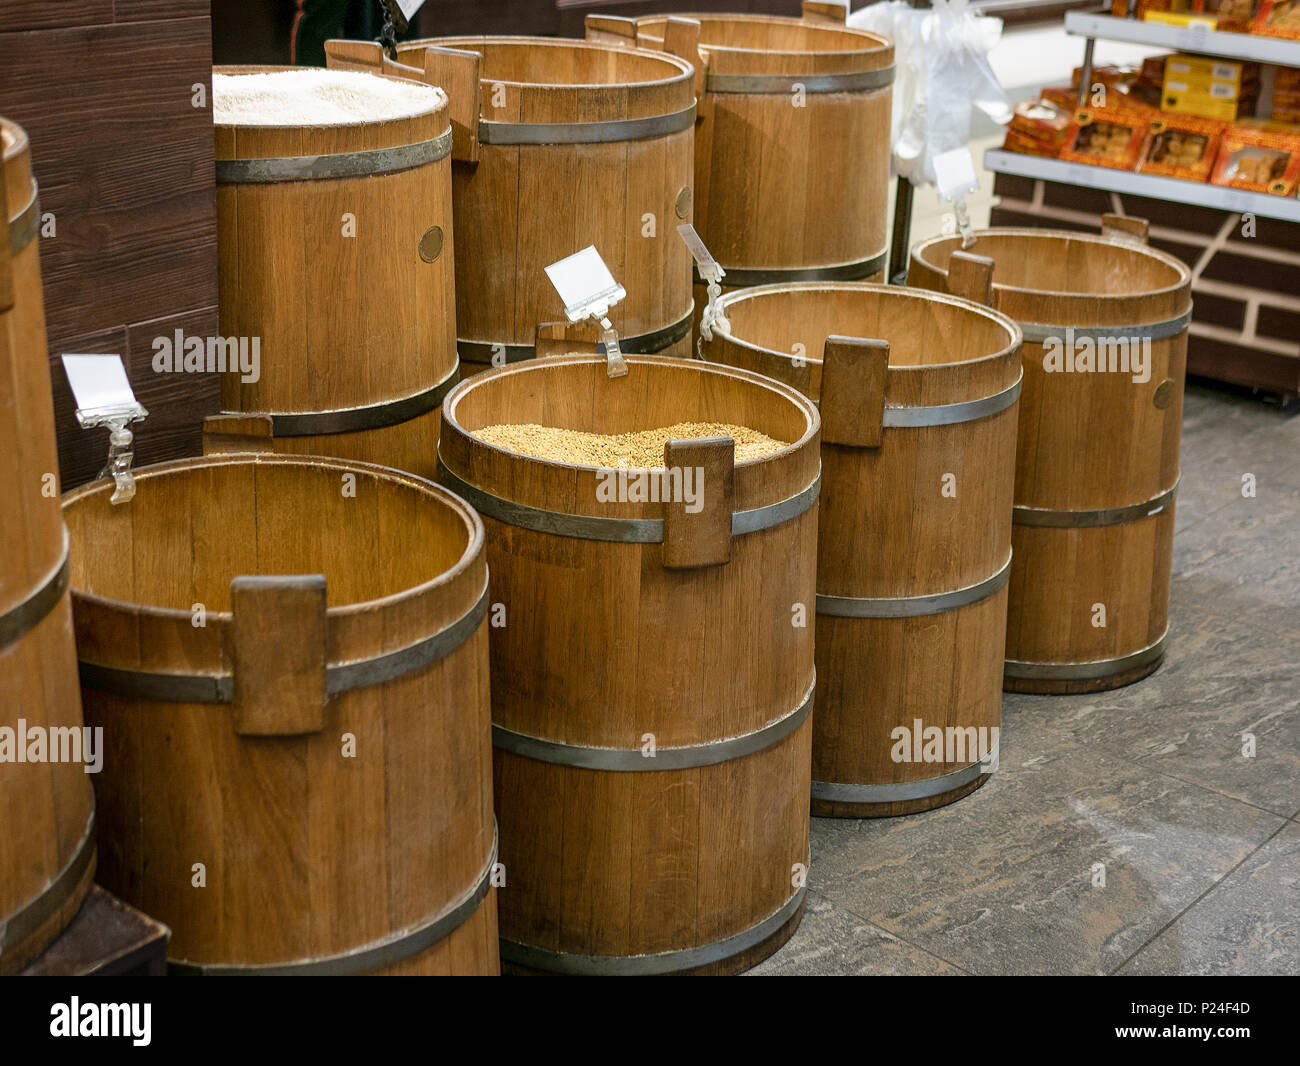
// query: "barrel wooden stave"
[[522, 207], [1073, 426], [290, 831], [875, 674], [603, 645], [46, 808], [344, 321]]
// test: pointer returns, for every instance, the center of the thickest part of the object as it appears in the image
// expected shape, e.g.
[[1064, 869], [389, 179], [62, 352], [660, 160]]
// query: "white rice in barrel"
[[312, 97]]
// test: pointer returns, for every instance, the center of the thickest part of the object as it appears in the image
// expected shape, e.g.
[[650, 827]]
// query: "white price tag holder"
[[711, 273], [104, 398], [954, 174], [589, 290]]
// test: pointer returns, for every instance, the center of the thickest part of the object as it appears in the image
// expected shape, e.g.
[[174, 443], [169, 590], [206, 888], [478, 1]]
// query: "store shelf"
[[1158, 188], [1185, 38]]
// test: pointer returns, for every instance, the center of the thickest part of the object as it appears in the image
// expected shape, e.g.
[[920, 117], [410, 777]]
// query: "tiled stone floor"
[[1201, 845]]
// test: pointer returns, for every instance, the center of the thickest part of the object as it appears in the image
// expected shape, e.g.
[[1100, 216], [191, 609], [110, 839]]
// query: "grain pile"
[[317, 98], [641, 449]]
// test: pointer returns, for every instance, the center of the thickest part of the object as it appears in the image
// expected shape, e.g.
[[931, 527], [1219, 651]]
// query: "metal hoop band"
[[950, 414], [1106, 516], [626, 129], [356, 419], [661, 962], [24, 225], [372, 956], [362, 164], [744, 277], [26, 614], [812, 83], [619, 530], [640, 344], [220, 688], [1089, 670], [33, 914], [1036, 333], [896, 792], [686, 757], [912, 606]]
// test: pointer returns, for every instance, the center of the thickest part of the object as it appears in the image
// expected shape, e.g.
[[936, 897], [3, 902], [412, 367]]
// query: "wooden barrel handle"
[[456, 71], [697, 512], [277, 651], [817, 11], [610, 29], [365, 56], [1125, 228], [682, 39], [567, 338], [970, 276], [237, 433], [854, 373]]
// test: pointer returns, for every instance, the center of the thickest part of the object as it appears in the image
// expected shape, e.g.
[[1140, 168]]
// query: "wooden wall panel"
[[124, 164]]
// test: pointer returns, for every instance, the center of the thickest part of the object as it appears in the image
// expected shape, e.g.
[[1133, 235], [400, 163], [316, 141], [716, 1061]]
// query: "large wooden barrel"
[[914, 542], [1097, 459], [652, 675], [334, 243], [560, 145], [47, 822], [792, 145], [288, 657]]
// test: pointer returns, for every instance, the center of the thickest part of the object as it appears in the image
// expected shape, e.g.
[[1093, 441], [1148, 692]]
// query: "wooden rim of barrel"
[[590, 101], [1029, 305], [857, 50], [453, 597], [911, 385]]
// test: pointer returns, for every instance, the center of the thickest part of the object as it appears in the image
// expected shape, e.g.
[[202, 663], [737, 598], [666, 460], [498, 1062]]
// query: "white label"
[[954, 173], [1226, 71], [1221, 91], [1176, 86], [585, 284], [99, 384]]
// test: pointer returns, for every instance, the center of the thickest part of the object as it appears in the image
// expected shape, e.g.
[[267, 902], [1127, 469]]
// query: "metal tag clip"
[[104, 398], [711, 273], [589, 290]]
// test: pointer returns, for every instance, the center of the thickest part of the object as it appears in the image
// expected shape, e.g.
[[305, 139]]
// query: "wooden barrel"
[[918, 402], [1097, 459], [334, 250], [47, 819], [652, 675], [792, 144], [560, 145], [294, 786]]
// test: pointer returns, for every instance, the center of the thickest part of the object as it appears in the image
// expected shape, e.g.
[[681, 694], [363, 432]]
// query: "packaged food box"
[[1233, 16], [1260, 160], [1106, 137], [1181, 146], [1278, 18]]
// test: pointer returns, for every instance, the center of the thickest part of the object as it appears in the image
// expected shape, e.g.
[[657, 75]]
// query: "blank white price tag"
[[585, 284], [954, 174], [99, 386]]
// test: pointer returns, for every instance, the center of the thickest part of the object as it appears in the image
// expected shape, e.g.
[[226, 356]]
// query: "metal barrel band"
[[373, 956], [33, 914], [912, 606], [662, 962], [744, 277], [1097, 668], [617, 530], [25, 615], [623, 129], [1037, 333], [687, 757], [1105, 516], [344, 677], [366, 163], [860, 81], [899, 791], [24, 226], [951, 414], [640, 344], [357, 419]]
